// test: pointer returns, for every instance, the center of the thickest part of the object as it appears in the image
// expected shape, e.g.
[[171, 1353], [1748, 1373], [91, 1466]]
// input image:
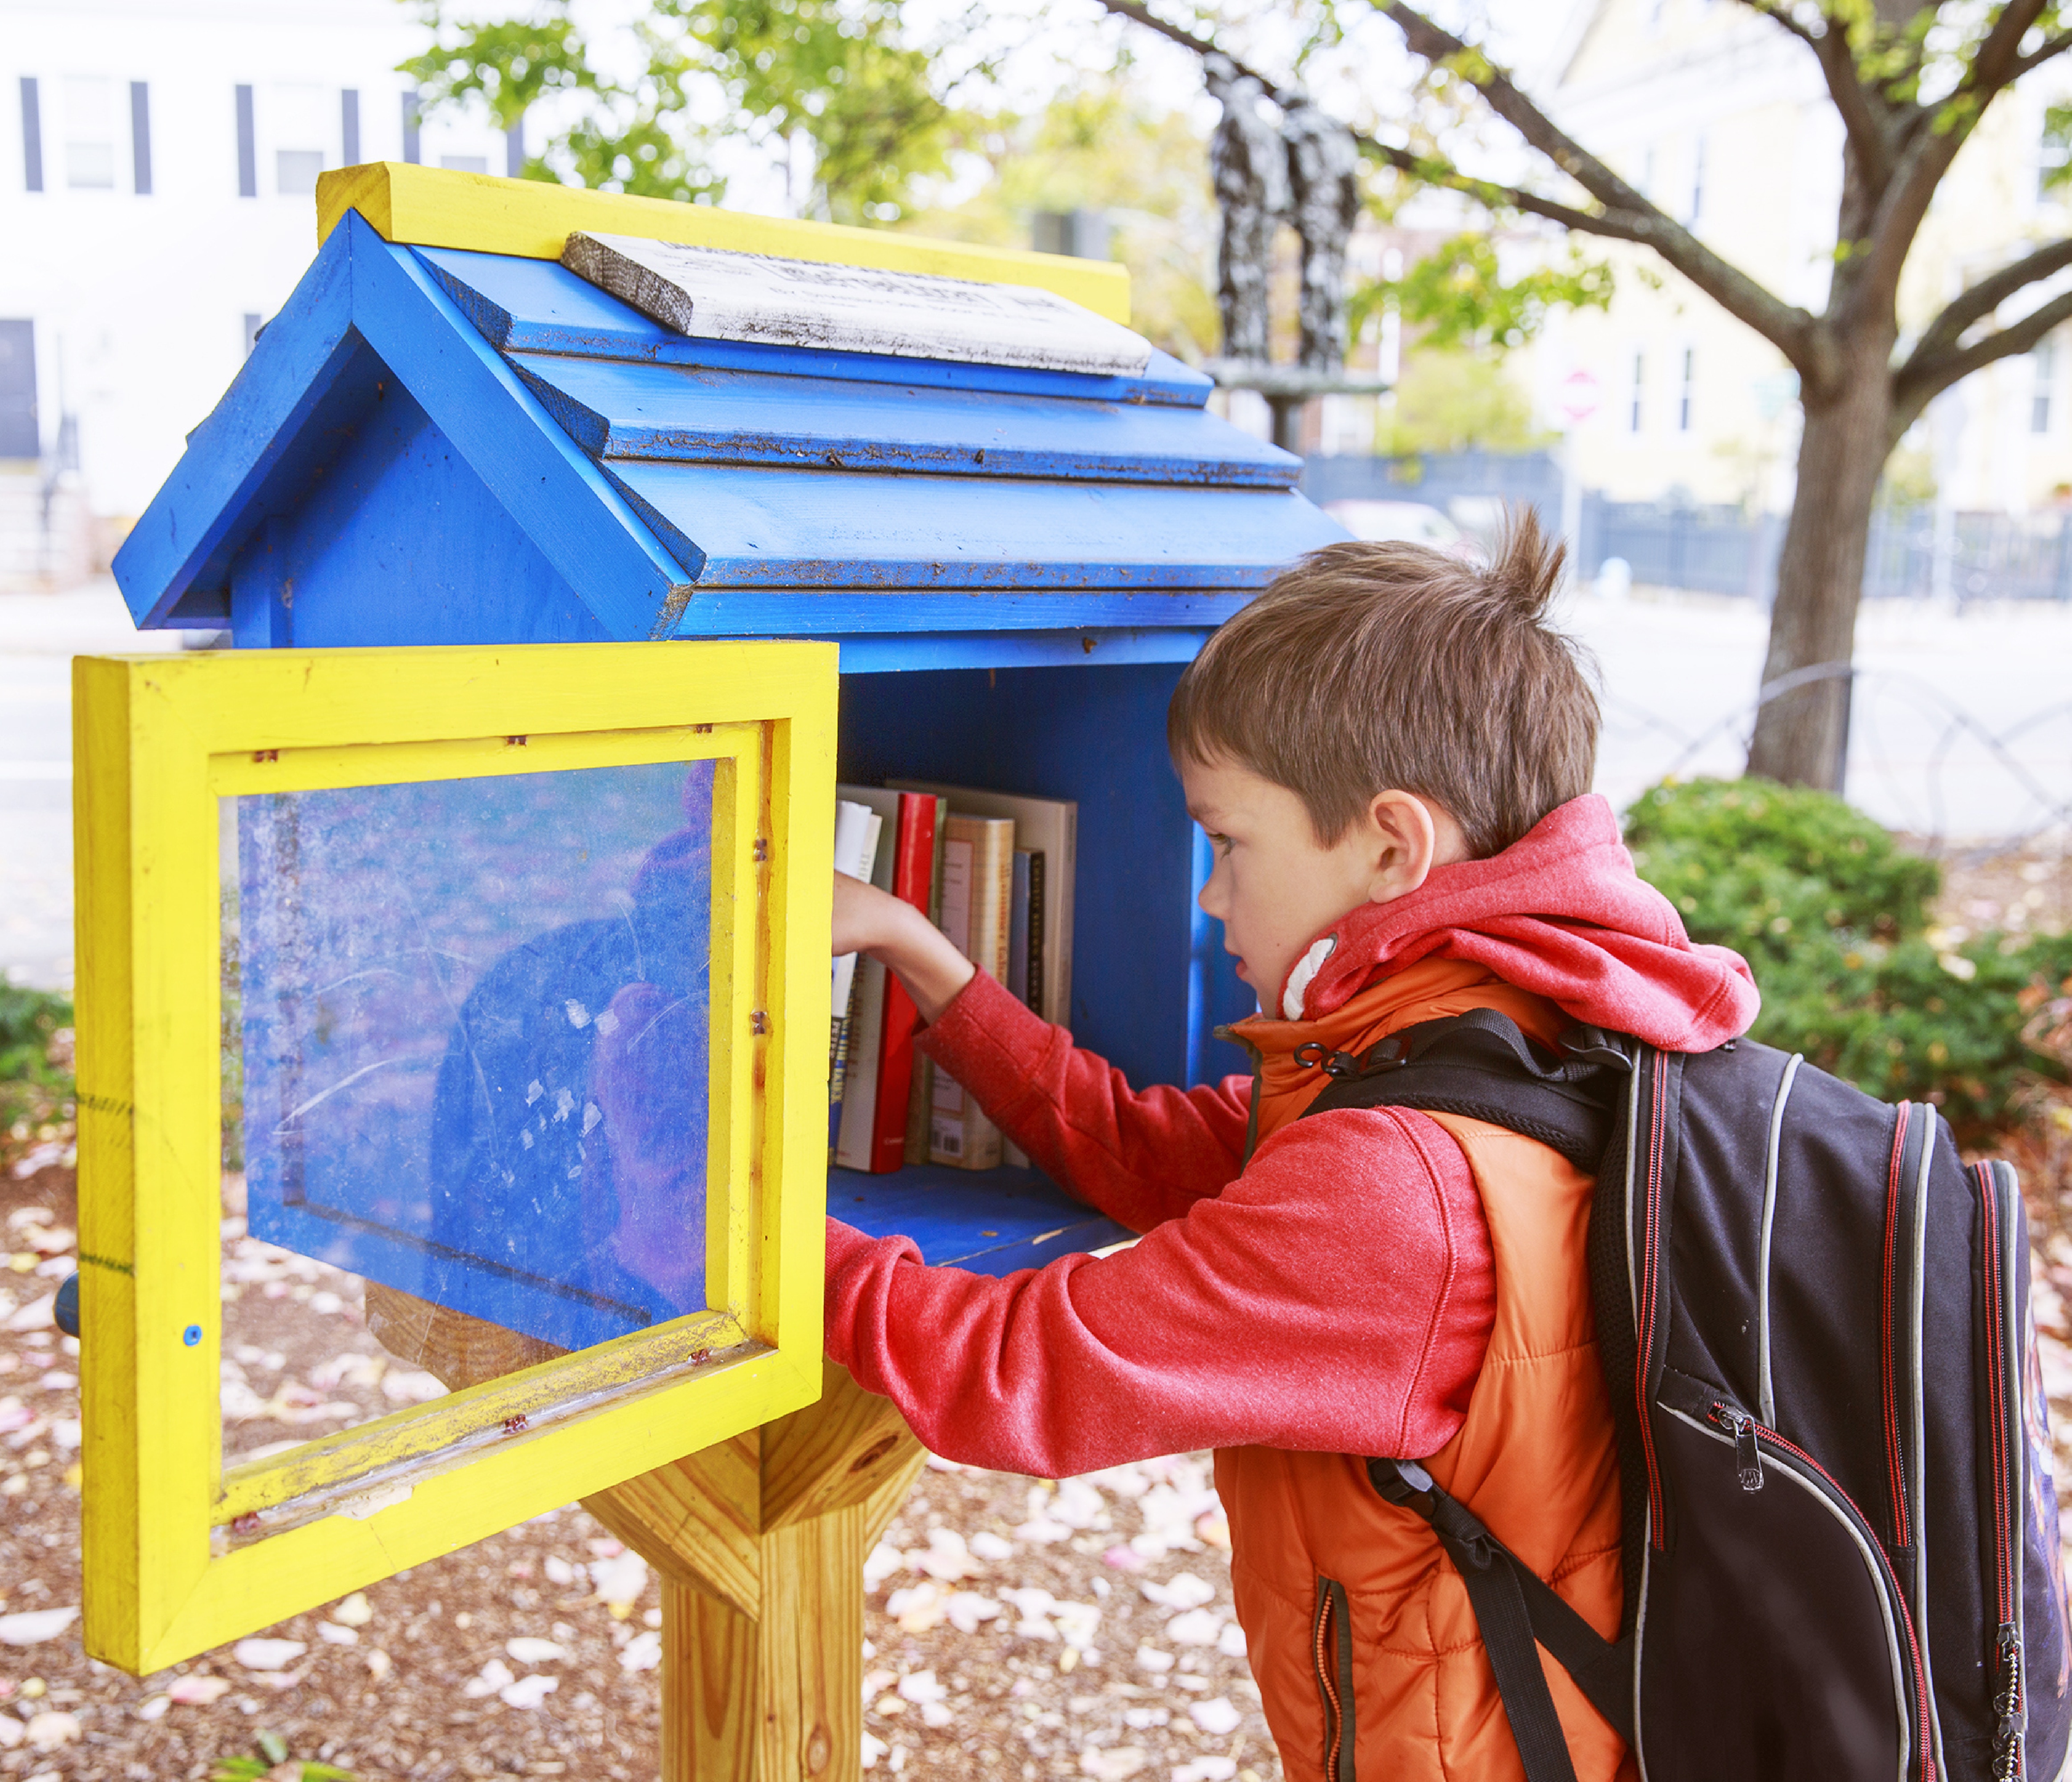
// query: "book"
[[872, 1135], [922, 1090], [857, 828], [978, 877], [1048, 828], [1025, 861]]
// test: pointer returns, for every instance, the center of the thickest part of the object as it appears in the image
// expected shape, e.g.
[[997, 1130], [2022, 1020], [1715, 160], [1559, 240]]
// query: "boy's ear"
[[1410, 836]]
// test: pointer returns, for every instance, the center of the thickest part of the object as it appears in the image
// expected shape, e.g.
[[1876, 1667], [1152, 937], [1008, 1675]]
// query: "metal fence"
[[1914, 553]]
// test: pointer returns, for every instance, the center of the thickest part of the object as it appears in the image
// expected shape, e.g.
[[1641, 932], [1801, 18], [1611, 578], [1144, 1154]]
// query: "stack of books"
[[994, 871]]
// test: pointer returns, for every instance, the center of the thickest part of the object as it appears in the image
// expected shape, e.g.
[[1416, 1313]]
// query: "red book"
[[913, 875]]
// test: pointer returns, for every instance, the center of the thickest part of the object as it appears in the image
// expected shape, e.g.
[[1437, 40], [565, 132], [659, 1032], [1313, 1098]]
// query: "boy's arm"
[[1338, 1297], [1142, 1156]]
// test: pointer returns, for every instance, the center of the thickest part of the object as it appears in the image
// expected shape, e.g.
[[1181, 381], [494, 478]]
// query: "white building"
[[1722, 119], [159, 161]]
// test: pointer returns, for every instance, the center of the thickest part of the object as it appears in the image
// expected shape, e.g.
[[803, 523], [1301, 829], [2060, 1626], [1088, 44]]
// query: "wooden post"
[[760, 1543]]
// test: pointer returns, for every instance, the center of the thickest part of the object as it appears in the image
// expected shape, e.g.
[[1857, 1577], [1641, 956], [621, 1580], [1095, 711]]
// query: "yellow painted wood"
[[438, 207], [158, 741]]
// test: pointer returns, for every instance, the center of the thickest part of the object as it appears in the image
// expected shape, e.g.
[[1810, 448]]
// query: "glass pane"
[[466, 1039]]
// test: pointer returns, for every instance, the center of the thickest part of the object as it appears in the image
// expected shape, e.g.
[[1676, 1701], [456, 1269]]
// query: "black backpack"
[[1841, 1526]]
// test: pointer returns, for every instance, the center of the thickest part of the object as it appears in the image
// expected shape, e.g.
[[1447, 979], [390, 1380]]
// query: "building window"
[[89, 147], [1696, 208], [32, 135], [348, 127], [253, 323], [2043, 367], [1686, 389], [413, 151], [1634, 409], [465, 163], [140, 137], [248, 147], [298, 121], [20, 436]]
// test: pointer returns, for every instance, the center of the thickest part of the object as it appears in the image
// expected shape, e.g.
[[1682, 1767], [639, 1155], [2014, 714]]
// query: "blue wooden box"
[[433, 446]]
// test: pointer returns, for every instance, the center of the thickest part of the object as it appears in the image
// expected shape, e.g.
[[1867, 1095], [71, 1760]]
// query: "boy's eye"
[[1221, 844]]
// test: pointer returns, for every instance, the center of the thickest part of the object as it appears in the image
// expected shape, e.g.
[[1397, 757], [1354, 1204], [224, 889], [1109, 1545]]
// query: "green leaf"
[[1459, 295], [273, 1746]]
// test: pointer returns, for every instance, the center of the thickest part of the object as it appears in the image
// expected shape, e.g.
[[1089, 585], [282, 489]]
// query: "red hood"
[[1560, 912]]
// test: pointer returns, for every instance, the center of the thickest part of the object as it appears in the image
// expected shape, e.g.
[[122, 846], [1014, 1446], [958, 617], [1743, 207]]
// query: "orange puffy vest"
[[1361, 1634]]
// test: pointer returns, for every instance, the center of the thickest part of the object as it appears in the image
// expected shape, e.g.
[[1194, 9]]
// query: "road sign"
[[1579, 397]]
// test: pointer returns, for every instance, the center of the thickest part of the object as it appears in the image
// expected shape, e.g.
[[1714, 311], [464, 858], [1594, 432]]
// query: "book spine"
[[1038, 915], [913, 882], [920, 1098], [857, 832], [946, 1103], [963, 1135]]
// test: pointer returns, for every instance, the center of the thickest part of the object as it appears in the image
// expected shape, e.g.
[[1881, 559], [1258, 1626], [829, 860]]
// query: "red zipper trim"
[[1657, 1535], [1996, 1402], [1926, 1743], [1895, 1472]]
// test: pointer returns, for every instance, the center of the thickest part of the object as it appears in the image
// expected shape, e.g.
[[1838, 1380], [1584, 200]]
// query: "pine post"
[[760, 1542]]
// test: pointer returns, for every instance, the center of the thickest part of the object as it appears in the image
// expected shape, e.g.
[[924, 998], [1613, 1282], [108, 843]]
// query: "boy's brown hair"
[[1371, 668]]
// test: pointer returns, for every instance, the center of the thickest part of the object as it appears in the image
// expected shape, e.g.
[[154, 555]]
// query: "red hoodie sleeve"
[[1140, 1156], [1337, 1296]]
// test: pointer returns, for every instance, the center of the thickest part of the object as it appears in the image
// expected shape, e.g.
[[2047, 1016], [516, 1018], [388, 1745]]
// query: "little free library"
[[574, 550]]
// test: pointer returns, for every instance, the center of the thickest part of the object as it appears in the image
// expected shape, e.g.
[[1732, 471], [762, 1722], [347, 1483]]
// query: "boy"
[[1391, 753]]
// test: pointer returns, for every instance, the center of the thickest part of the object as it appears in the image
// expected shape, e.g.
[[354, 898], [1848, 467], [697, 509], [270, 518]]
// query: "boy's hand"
[[901, 938]]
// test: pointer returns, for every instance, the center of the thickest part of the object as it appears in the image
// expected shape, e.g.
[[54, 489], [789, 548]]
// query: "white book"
[[866, 1035], [856, 830]]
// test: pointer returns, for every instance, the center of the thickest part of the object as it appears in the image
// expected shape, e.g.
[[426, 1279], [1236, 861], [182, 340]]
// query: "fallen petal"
[[268, 1655], [529, 1650], [199, 1692], [32, 1627], [529, 1692], [1215, 1717]]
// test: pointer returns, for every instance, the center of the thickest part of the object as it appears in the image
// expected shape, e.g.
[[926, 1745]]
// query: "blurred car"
[[1401, 522]]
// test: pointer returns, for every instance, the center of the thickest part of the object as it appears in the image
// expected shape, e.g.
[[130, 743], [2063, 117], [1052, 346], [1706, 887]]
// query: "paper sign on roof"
[[712, 294]]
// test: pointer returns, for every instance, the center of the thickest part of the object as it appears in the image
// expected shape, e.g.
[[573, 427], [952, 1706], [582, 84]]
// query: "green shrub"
[[34, 1027], [1833, 916]]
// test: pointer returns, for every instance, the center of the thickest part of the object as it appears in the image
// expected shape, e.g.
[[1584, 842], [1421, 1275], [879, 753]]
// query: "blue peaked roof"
[[487, 448]]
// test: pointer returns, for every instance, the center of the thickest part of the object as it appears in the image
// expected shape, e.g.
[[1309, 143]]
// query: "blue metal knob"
[[66, 1311]]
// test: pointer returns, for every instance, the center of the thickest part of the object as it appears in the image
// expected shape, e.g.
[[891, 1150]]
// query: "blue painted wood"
[[722, 611], [894, 654], [992, 1222], [615, 409], [536, 306], [368, 569], [758, 527], [194, 523], [1099, 737], [572, 512]]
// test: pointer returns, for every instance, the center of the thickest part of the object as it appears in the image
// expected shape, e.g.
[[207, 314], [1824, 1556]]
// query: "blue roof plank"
[[537, 306], [612, 409], [751, 527], [737, 611]]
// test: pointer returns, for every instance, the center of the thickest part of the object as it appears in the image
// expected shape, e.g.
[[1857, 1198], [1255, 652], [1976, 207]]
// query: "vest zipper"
[[1331, 1654], [1251, 1113]]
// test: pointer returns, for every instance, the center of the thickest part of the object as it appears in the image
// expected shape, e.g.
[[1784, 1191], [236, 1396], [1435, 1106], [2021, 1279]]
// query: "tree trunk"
[[1800, 735]]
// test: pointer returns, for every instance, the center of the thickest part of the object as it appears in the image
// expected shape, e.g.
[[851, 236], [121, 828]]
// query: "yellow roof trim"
[[438, 207]]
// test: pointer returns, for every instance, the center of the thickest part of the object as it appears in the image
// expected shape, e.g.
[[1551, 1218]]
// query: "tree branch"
[[2044, 52], [1431, 170], [1794, 332], [1937, 132], [1918, 383], [1838, 66], [1977, 302]]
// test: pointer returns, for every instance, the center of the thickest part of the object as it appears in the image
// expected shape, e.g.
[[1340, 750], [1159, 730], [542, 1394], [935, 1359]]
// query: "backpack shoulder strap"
[[1480, 1065]]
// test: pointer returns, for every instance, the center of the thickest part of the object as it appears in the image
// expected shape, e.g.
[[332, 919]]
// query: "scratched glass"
[[466, 1033]]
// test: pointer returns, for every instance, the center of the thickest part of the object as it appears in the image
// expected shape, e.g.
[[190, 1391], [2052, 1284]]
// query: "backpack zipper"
[[1748, 1438], [2004, 1409], [1648, 1295], [1890, 1296]]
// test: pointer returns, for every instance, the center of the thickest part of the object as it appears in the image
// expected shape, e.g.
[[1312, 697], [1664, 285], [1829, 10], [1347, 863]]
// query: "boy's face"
[[1276, 888]]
